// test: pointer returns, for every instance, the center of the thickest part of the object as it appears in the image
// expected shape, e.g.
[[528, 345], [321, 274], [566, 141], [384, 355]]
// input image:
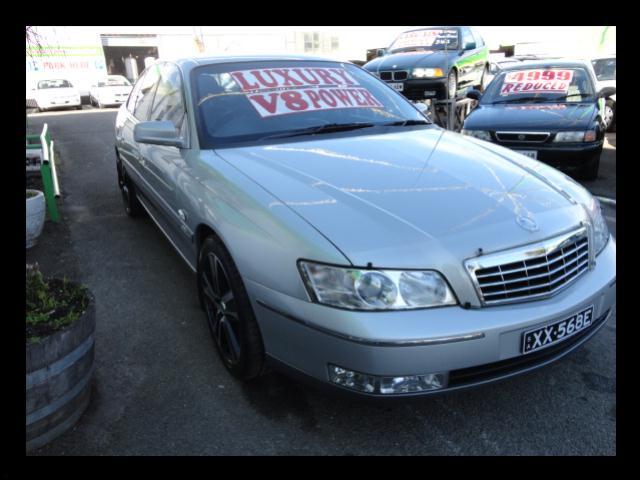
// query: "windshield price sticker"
[[536, 81], [279, 91], [426, 38]]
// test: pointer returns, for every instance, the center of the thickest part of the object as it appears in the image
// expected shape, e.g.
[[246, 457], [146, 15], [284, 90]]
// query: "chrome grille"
[[537, 137], [533, 272]]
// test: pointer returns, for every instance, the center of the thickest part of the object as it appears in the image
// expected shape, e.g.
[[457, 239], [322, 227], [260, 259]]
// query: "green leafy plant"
[[51, 304]]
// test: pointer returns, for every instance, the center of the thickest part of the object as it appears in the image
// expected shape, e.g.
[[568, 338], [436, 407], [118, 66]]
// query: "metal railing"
[[47, 169]]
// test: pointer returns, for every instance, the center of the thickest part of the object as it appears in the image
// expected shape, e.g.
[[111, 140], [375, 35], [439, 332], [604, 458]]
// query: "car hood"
[[409, 60], [407, 199], [532, 116]]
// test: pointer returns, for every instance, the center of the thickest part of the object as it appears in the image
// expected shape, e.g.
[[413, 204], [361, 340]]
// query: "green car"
[[434, 62]]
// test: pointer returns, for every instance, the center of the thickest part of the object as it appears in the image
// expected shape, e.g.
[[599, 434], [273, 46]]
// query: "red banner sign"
[[279, 91], [536, 81]]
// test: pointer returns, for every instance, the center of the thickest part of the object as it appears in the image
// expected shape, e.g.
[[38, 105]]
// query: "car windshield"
[[114, 82], [43, 84], [539, 85], [252, 101], [605, 68], [426, 39]]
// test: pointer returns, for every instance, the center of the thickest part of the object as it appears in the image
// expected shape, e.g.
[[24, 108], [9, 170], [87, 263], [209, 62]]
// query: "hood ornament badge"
[[527, 223]]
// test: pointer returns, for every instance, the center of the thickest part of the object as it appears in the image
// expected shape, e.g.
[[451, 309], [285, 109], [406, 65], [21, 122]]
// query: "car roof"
[[549, 63], [196, 61]]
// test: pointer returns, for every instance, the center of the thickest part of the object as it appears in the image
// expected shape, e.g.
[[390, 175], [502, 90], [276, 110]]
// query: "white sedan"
[[56, 93], [112, 90]]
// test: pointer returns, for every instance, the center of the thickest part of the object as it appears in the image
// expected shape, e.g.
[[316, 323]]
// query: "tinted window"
[[144, 97], [168, 104], [249, 101], [467, 37], [478, 38]]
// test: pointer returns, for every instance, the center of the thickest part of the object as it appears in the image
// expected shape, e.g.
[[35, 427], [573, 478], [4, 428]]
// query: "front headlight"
[[427, 72], [357, 289], [600, 228], [575, 137], [481, 134]]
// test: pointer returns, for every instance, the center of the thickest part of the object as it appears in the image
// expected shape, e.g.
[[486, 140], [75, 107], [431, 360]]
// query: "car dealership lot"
[[160, 388]]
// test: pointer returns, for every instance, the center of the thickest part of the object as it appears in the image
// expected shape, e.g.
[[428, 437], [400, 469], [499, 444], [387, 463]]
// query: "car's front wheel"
[[610, 115], [229, 314]]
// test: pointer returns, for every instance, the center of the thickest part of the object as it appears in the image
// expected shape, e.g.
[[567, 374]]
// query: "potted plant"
[[60, 324], [35, 216]]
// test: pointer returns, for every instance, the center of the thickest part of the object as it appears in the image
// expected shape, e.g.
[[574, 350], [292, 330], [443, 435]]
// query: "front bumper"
[[562, 156], [474, 346], [421, 89], [61, 103]]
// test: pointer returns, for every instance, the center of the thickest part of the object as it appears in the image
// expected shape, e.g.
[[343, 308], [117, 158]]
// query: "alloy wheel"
[[221, 309], [608, 115]]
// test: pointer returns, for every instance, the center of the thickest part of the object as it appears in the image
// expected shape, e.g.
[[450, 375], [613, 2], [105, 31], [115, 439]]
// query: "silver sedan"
[[337, 234]]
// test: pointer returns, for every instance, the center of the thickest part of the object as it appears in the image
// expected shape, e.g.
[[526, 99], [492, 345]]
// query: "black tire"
[[452, 78], [612, 125], [231, 320], [132, 206], [590, 169]]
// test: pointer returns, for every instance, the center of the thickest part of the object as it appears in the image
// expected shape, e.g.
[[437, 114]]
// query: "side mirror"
[[157, 133], [381, 52], [469, 46], [474, 94], [423, 107], [493, 68], [607, 92]]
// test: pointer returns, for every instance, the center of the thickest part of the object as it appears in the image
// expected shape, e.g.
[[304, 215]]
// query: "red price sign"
[[537, 81], [279, 91]]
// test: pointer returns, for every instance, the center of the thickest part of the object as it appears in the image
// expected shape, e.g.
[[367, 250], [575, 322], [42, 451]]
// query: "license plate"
[[429, 93], [528, 153], [556, 332], [397, 86]]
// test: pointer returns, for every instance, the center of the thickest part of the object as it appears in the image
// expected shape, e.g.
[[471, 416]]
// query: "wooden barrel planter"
[[59, 373]]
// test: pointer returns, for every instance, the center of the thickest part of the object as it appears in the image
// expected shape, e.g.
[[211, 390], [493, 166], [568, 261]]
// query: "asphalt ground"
[[160, 389]]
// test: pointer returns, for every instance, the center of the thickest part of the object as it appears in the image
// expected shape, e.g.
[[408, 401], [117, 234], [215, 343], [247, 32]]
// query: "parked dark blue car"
[[549, 110]]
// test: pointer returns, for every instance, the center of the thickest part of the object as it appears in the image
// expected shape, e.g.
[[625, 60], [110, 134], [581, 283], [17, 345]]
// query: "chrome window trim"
[[526, 252]]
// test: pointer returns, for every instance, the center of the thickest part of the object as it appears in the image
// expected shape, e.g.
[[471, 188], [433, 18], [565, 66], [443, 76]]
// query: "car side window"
[[144, 98], [131, 102], [168, 102], [478, 38], [467, 37]]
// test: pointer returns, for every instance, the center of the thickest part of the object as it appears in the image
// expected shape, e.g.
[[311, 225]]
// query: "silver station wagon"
[[338, 234]]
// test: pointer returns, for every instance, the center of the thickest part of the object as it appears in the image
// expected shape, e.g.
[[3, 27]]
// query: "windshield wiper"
[[406, 123], [564, 97], [522, 99], [327, 128]]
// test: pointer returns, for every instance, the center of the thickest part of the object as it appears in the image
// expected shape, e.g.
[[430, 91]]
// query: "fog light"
[[386, 385], [354, 380], [412, 383]]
